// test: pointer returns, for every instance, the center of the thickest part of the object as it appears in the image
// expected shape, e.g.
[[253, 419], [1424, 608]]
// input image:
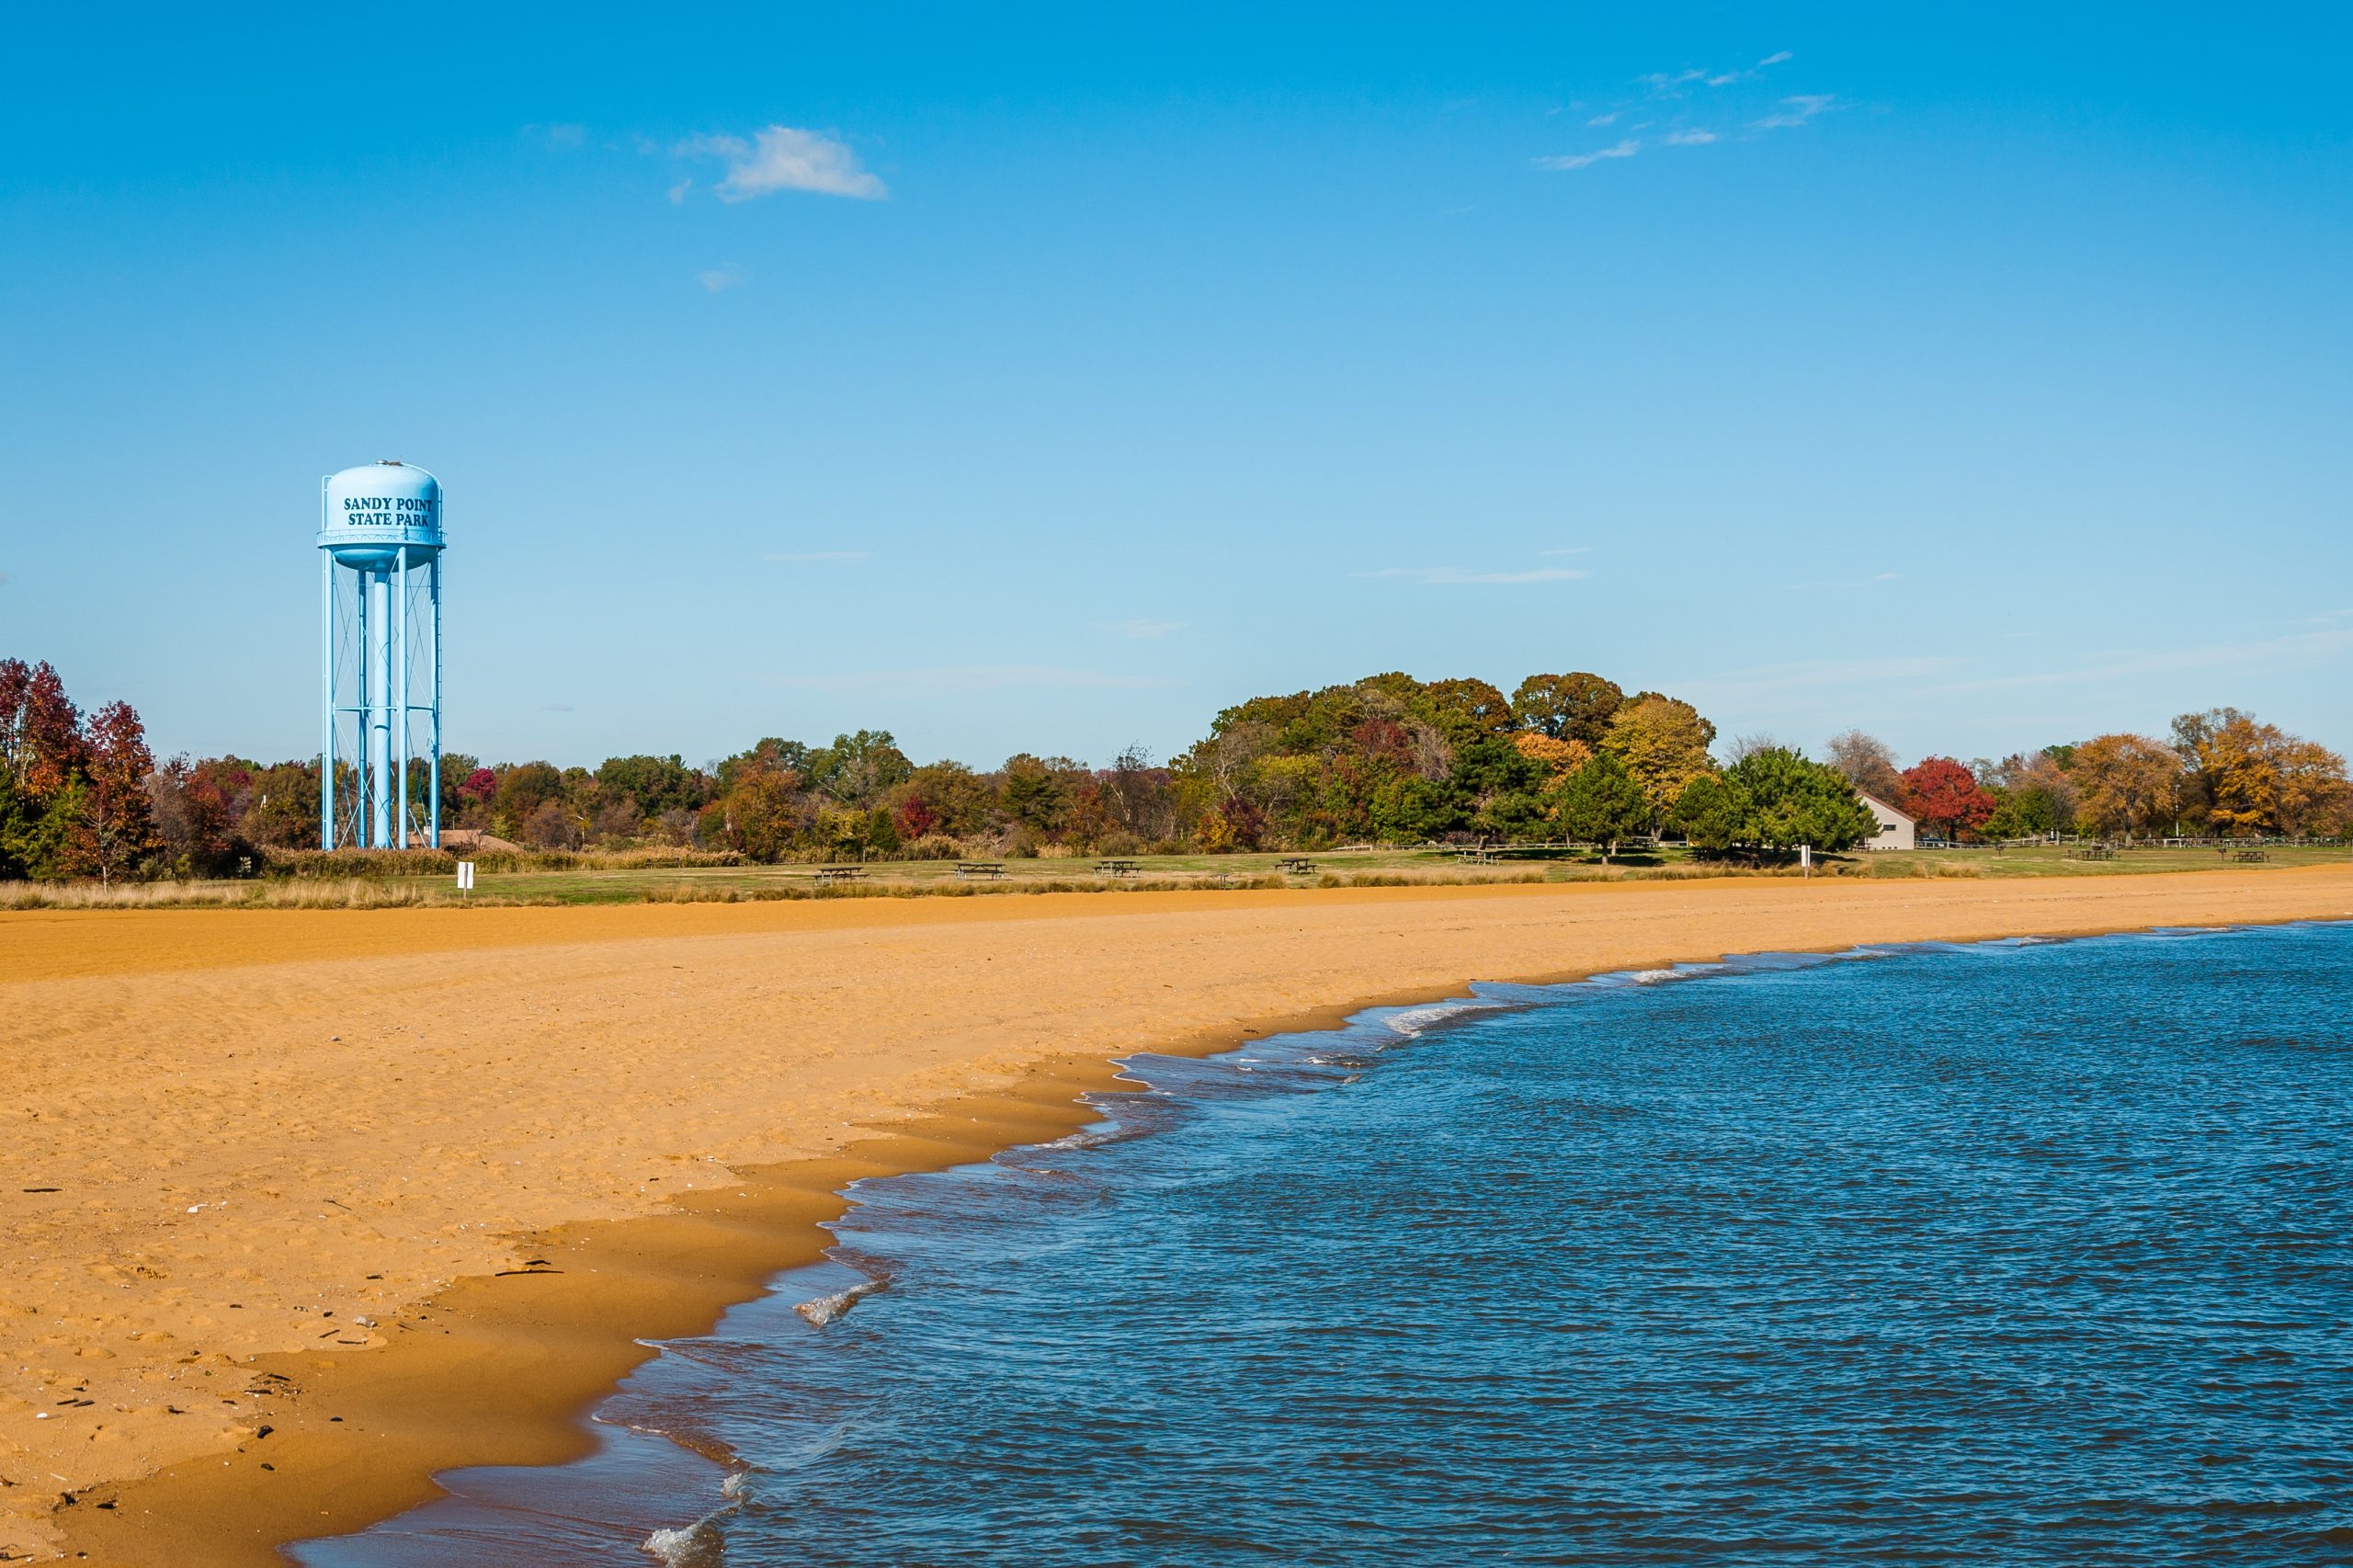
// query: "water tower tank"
[[377, 513]]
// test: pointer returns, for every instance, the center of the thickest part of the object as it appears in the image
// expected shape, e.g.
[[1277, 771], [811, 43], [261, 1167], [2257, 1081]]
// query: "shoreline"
[[500, 1366]]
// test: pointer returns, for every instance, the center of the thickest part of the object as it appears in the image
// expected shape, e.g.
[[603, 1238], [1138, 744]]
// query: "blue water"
[[2011, 1254]]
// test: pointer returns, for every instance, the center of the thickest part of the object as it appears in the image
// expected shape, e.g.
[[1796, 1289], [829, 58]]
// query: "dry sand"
[[270, 1175]]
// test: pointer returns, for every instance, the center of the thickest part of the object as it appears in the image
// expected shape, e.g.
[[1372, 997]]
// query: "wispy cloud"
[[2299, 648], [784, 157], [1872, 581], [1670, 98], [1795, 110], [1140, 628], [1460, 575], [1625, 149], [677, 192], [813, 557], [557, 138], [964, 678], [719, 280]]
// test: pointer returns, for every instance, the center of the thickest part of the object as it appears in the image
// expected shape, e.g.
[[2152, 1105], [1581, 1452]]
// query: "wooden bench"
[[829, 875], [1115, 867], [2252, 855], [2091, 854], [1298, 865], [995, 868]]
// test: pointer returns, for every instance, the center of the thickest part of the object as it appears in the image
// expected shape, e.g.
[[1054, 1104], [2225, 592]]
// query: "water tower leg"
[[380, 712], [434, 782], [326, 701], [363, 763], [400, 711]]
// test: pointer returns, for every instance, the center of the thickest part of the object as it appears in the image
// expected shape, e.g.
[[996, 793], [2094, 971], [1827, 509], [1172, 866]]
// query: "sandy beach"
[[303, 1206]]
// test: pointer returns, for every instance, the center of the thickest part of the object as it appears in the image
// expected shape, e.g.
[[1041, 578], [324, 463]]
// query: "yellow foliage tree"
[[2125, 783], [1560, 757], [1664, 743]]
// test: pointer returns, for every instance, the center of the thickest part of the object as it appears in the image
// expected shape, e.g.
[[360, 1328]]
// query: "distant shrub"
[[934, 847], [364, 864]]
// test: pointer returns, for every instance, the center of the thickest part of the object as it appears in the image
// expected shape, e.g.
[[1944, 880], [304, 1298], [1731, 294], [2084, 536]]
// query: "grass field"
[[634, 884]]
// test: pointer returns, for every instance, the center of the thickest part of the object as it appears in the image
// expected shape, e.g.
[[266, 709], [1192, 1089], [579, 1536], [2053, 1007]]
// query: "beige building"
[[1896, 831]]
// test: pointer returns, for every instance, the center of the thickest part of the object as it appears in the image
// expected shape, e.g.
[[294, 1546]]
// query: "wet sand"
[[302, 1206]]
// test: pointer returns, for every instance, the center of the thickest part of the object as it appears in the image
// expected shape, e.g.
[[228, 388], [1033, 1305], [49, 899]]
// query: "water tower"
[[379, 561]]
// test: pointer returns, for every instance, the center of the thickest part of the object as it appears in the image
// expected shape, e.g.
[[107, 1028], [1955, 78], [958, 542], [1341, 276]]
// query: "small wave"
[[825, 1309], [737, 1485], [697, 1546], [1415, 1022]]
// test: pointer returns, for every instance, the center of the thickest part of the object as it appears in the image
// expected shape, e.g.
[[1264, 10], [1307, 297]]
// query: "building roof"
[[1882, 805]]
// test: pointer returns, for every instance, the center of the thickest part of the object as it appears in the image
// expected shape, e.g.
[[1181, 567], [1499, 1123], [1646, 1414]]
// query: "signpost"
[[1806, 860], [465, 876]]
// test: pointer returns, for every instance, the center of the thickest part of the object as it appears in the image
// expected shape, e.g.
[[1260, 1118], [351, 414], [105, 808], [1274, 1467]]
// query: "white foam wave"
[[1415, 1022], [825, 1309], [697, 1546]]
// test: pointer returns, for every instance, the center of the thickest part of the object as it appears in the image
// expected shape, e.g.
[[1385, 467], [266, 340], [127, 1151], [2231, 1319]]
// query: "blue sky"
[[1048, 382]]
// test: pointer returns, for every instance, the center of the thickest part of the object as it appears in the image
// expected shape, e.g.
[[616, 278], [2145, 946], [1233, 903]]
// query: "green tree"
[[1602, 803], [1774, 800]]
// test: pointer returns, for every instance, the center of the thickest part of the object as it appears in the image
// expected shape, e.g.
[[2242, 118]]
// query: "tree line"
[[1387, 759]]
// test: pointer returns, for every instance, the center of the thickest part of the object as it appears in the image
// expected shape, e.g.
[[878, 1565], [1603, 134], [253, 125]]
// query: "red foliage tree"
[[916, 818], [40, 731], [1946, 797], [113, 832]]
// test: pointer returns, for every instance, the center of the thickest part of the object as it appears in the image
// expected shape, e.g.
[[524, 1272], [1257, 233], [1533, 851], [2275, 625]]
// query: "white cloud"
[[1781, 58], [1140, 628], [1609, 119], [784, 157], [557, 138], [678, 192], [719, 280], [1626, 149], [1667, 81], [814, 557], [1796, 110], [1689, 138], [964, 678], [1457, 576]]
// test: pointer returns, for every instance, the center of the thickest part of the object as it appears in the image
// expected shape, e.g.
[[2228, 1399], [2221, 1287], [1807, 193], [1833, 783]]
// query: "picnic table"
[[2252, 855], [1298, 865], [2097, 852], [828, 876], [1115, 867], [980, 867]]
